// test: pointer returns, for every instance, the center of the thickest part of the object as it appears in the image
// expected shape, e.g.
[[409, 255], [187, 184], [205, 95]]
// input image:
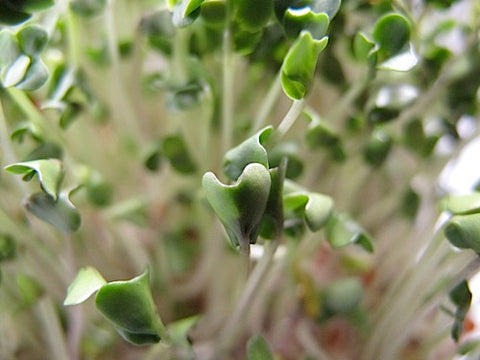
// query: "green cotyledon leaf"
[[463, 231], [240, 206], [299, 65], [250, 151], [59, 212], [130, 307], [49, 172]]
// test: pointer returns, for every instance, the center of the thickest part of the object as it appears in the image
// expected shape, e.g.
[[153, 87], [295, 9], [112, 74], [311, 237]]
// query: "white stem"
[[291, 116]]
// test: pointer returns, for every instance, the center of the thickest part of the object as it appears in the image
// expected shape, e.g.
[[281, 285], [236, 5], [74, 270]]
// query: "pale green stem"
[[52, 329], [228, 69], [120, 99], [234, 323], [73, 40], [291, 116], [178, 65], [268, 103]]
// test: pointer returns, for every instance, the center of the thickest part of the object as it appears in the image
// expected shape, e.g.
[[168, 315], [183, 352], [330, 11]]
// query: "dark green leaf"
[[391, 33], [289, 151], [11, 16], [258, 349], [272, 222], [49, 172], [410, 203], [378, 147], [463, 231], [175, 150], [240, 207], [46, 150], [185, 97], [252, 15], [60, 212], [250, 151], [129, 306], [461, 297], [214, 13], [362, 47], [8, 247], [299, 65]]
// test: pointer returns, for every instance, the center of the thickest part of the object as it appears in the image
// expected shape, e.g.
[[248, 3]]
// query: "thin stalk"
[[120, 100], [291, 116], [268, 103], [52, 329], [228, 69], [234, 323]]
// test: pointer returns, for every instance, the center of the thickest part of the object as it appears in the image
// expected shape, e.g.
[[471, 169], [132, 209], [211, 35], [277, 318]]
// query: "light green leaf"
[[404, 61], [88, 8], [316, 208], [250, 151], [342, 231], [299, 65], [240, 207], [297, 20], [272, 222], [32, 39], [258, 349], [362, 46], [461, 204], [49, 172], [16, 71], [342, 296], [87, 282], [36, 5], [9, 49]]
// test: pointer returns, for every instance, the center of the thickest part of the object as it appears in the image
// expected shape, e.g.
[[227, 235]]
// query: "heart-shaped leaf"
[[297, 20], [32, 39], [463, 231], [315, 208], [129, 306], [49, 172], [58, 212], [258, 349], [342, 231], [250, 151], [461, 204], [240, 207], [299, 65], [35, 77], [86, 283]]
